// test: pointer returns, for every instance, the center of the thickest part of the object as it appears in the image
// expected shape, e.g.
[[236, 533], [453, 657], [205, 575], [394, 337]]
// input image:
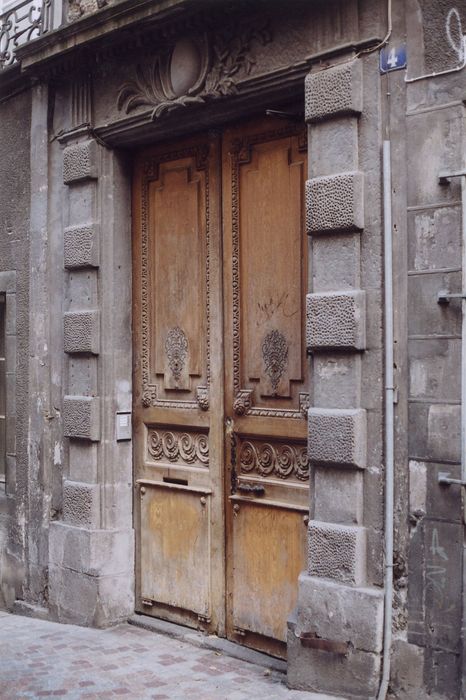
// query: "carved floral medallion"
[[176, 350], [274, 355]]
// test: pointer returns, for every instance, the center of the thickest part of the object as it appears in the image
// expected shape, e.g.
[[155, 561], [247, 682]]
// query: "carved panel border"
[[241, 154], [184, 448], [150, 173], [273, 459]]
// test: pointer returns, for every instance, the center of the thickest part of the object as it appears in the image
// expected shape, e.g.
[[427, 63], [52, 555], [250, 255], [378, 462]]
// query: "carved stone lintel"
[[243, 402], [215, 63], [202, 398]]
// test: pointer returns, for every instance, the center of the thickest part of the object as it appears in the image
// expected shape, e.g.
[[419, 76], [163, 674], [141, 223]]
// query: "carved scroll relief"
[[174, 447], [274, 460]]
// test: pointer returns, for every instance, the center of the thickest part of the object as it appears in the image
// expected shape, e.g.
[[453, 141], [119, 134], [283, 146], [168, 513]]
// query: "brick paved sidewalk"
[[41, 659]]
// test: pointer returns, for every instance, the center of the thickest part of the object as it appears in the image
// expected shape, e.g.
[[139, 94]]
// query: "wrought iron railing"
[[25, 20]]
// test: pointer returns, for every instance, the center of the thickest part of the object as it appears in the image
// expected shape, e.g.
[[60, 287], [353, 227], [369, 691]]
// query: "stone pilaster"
[[91, 547], [337, 595]]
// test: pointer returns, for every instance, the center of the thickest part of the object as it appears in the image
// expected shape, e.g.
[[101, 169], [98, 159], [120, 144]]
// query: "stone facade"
[[72, 112]]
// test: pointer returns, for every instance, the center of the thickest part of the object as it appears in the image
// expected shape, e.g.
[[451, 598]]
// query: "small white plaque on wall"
[[123, 425]]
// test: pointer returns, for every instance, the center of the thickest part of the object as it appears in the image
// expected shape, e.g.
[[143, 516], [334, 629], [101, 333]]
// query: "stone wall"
[[429, 579], [15, 117], [344, 335]]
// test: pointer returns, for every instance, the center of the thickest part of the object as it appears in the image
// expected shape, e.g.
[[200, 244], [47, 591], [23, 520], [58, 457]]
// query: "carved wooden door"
[[265, 280], [178, 384], [219, 381]]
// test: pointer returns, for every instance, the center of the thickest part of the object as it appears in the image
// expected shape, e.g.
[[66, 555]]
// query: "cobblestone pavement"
[[41, 659]]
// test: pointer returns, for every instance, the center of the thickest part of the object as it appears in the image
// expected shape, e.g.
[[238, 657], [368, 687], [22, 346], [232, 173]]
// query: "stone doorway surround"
[[339, 617], [91, 549]]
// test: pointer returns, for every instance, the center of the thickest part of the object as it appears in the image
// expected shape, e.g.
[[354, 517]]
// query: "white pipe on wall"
[[389, 420]]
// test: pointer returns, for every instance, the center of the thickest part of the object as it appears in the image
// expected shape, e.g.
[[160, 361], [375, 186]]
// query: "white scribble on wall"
[[455, 36]]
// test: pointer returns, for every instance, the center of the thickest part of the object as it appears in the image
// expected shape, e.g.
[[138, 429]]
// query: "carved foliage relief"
[[175, 255], [193, 70], [269, 271]]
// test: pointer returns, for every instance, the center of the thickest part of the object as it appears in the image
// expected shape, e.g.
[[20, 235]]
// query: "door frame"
[[278, 128]]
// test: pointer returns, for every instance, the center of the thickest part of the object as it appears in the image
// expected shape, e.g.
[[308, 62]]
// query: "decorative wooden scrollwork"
[[185, 448], [267, 459], [274, 355], [176, 349]]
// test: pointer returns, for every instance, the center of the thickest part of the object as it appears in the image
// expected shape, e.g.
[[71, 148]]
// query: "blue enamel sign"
[[392, 58]]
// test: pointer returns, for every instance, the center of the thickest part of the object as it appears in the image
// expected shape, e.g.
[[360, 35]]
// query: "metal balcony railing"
[[23, 21]]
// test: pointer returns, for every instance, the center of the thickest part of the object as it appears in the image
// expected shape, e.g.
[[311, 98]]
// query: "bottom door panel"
[[175, 547], [269, 553]]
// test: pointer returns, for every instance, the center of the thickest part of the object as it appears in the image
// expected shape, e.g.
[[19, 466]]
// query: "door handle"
[[251, 489]]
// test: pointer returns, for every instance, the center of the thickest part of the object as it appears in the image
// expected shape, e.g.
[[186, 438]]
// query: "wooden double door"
[[219, 427]]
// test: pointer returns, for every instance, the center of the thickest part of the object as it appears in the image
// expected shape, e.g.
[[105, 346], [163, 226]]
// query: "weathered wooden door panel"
[[220, 504], [175, 547], [178, 383], [269, 547], [265, 281]]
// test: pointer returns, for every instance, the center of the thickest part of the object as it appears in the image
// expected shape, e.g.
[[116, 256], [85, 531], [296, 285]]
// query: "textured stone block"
[[337, 552], [90, 601], [81, 417], [81, 332], [81, 504], [92, 552], [80, 162], [334, 91], [355, 676], [444, 432], [336, 320], [81, 246], [339, 495], [335, 203], [337, 437], [341, 613]]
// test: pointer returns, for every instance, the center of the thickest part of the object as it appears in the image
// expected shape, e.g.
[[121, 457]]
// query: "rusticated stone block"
[[80, 504], [355, 676], [80, 162], [334, 91], [340, 612], [81, 246], [336, 320], [92, 552], [337, 552], [335, 203], [81, 332], [81, 417], [337, 437], [90, 601]]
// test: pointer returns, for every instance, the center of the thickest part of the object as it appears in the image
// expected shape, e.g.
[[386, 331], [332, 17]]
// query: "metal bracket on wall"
[[444, 297], [312, 641], [445, 479], [444, 178]]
